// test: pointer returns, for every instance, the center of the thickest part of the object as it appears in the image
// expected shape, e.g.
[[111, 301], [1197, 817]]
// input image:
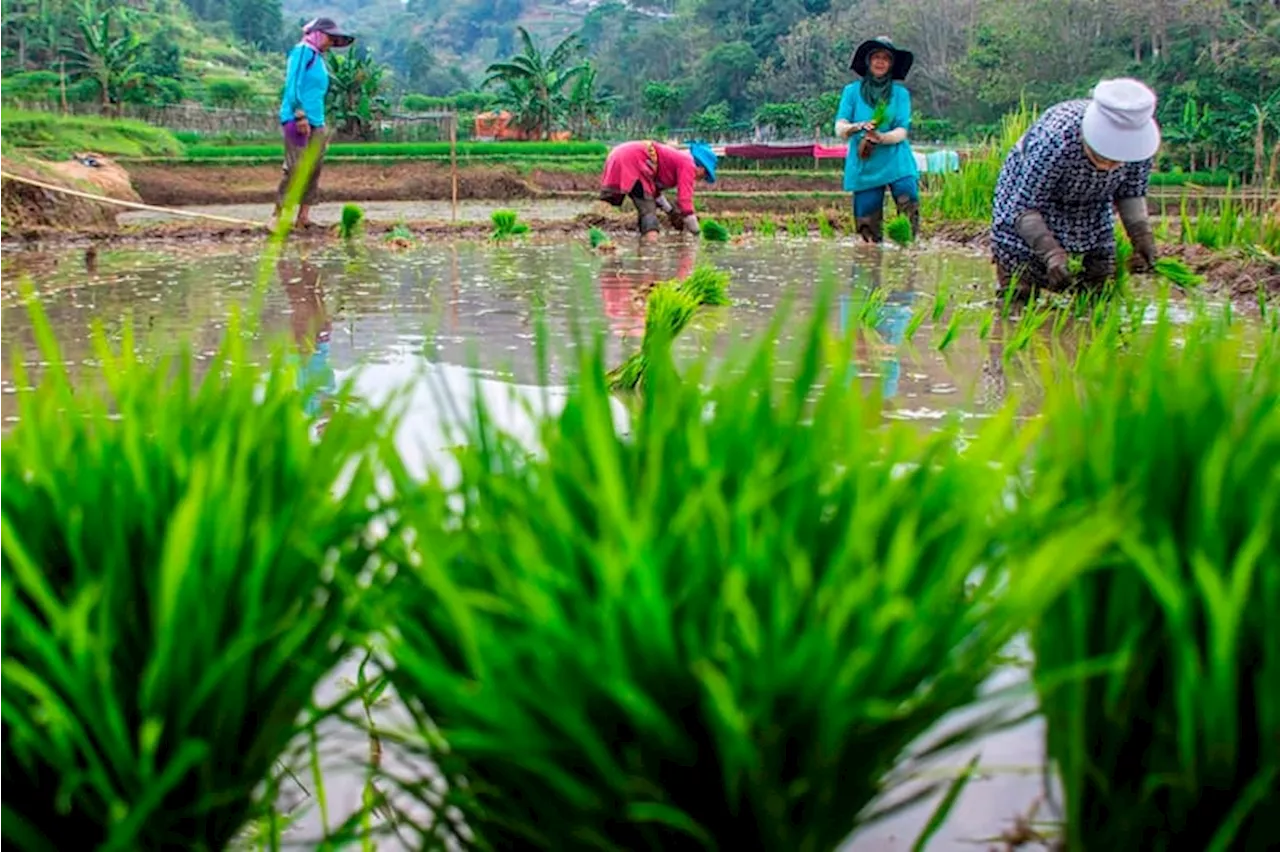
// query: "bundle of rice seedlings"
[[720, 631], [668, 310], [714, 232], [399, 237], [1177, 273], [1159, 668], [880, 114], [351, 222], [1124, 252], [707, 285], [506, 224], [180, 561], [899, 230], [598, 238]]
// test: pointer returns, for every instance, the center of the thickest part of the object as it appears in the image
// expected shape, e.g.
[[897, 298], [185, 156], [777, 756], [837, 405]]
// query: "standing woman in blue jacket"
[[875, 115], [302, 109]]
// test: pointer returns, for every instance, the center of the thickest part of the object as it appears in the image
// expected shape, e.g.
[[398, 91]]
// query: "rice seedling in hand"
[[1177, 273], [352, 221], [899, 230], [668, 310], [714, 232], [179, 560], [506, 224], [719, 631], [707, 286], [1159, 668]]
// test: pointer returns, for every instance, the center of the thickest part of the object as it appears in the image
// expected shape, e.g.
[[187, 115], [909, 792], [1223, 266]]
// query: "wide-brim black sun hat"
[[902, 59]]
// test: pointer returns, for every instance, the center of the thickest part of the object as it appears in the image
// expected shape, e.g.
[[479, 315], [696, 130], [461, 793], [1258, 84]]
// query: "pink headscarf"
[[312, 38]]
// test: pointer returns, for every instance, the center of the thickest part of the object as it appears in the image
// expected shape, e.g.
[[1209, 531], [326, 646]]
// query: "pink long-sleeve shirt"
[[656, 167]]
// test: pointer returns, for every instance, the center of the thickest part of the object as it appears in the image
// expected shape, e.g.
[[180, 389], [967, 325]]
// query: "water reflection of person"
[[891, 319], [625, 292], [312, 329]]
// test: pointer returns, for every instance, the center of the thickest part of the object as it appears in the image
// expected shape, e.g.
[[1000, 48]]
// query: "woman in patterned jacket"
[[1060, 182]]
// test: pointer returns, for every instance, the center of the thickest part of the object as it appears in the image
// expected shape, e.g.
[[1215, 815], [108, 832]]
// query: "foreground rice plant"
[[722, 631], [1159, 669], [707, 286], [899, 230], [178, 566]]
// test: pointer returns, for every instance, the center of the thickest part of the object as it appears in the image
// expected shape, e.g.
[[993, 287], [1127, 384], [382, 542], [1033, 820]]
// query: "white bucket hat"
[[1120, 123]]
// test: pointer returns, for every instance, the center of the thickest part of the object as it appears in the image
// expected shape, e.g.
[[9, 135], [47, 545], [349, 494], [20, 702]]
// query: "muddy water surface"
[[457, 312]]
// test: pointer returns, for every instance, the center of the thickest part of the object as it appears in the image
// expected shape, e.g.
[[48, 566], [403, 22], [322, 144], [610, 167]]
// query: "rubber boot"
[[910, 207], [871, 228]]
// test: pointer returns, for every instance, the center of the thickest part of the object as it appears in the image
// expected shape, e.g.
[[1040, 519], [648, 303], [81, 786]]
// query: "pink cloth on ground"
[[630, 162]]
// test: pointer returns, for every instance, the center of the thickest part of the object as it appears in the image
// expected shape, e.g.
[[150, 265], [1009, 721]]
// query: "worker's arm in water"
[[1131, 204], [1032, 228]]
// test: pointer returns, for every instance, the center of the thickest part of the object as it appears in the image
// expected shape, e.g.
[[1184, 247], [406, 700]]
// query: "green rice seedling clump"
[[668, 310], [826, 230], [707, 285], [714, 232], [1159, 669], [899, 230], [351, 222], [722, 629], [180, 563], [1177, 272], [507, 224], [597, 237], [797, 227], [767, 227]]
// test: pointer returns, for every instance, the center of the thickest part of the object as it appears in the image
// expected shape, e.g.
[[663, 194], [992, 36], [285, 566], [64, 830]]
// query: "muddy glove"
[[676, 218], [1032, 228], [867, 144], [1133, 214], [663, 204], [691, 225]]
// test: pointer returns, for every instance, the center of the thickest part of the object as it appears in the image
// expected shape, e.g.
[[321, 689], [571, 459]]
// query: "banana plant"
[[108, 59], [355, 93], [533, 84]]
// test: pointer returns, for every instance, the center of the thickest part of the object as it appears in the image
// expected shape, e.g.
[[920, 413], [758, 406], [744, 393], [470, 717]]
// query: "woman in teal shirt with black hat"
[[875, 116]]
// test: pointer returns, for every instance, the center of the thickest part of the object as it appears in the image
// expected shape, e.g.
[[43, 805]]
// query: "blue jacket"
[[887, 163], [305, 84]]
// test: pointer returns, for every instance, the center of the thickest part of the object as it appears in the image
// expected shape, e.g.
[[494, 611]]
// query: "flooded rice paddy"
[[468, 314]]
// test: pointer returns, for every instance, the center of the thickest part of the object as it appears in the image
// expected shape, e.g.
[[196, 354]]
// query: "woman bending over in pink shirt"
[[642, 170]]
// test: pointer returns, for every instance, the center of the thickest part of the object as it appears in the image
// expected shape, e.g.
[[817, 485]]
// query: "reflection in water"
[[891, 318], [312, 330], [625, 292]]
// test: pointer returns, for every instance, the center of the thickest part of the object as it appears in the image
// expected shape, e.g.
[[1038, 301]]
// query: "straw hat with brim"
[[705, 157], [327, 26], [1120, 123], [902, 59]]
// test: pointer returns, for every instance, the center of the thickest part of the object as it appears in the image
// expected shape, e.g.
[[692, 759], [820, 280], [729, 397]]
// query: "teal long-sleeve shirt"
[[305, 84], [887, 163]]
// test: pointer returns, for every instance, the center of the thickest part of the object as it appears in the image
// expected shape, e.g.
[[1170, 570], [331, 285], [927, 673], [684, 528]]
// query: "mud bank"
[[180, 185], [25, 206]]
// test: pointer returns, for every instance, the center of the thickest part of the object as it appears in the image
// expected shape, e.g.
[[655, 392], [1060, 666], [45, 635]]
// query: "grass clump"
[[899, 230], [714, 232], [719, 631], [179, 562], [352, 221], [507, 224], [53, 136], [1159, 668]]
